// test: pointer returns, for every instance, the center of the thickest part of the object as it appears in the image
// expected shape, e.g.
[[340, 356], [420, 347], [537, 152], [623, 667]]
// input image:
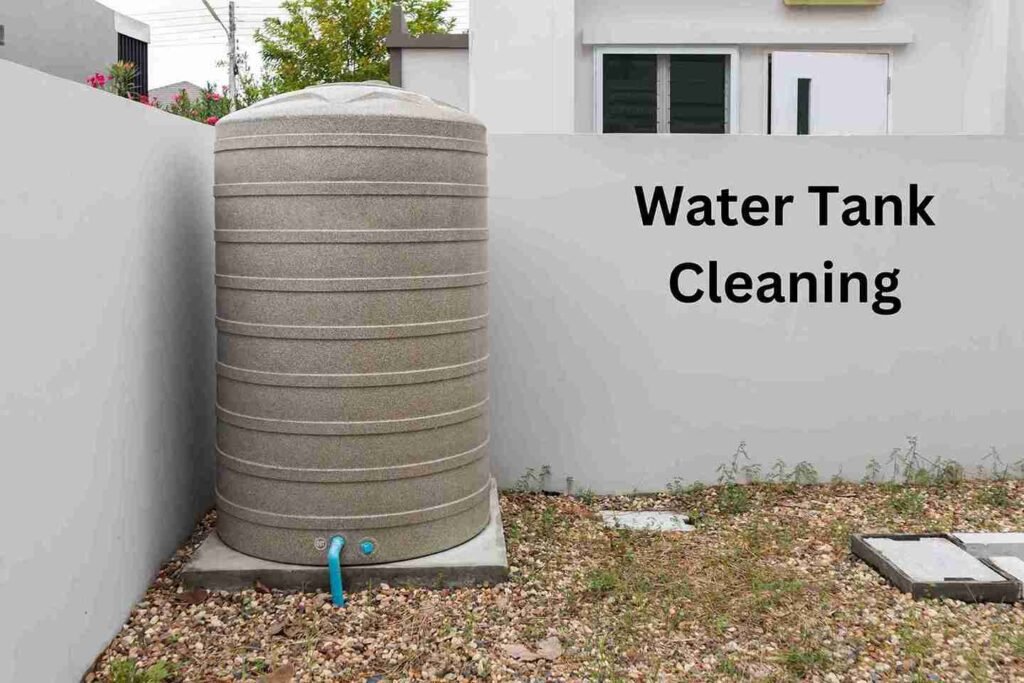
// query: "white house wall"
[[598, 372], [521, 64], [439, 73], [928, 74], [106, 408], [69, 38], [1015, 70]]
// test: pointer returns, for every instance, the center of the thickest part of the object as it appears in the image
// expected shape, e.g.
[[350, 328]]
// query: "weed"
[[679, 488], [976, 669], [729, 473], [873, 472], [127, 671], [908, 502], [547, 519], [801, 662], [602, 581], [751, 473], [804, 474], [733, 500], [254, 666], [587, 496], [914, 643], [778, 472], [533, 480], [996, 497], [1015, 641], [727, 667]]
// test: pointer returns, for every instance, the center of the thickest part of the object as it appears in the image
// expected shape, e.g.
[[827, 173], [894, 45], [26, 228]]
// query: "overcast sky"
[[187, 42]]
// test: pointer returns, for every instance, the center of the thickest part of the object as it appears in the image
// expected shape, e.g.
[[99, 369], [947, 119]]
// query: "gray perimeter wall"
[[107, 363], [598, 372], [69, 38]]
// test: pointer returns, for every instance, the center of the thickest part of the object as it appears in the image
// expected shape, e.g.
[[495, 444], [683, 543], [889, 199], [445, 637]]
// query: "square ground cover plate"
[[1003, 544], [646, 521], [479, 561], [934, 566]]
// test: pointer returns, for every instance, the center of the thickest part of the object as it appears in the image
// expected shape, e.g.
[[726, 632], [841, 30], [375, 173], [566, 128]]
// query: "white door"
[[829, 93]]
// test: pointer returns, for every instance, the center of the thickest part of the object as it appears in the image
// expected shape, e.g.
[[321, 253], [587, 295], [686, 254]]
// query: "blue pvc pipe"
[[334, 568]]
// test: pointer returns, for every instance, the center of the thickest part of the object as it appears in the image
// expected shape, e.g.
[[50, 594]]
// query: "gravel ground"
[[764, 589]]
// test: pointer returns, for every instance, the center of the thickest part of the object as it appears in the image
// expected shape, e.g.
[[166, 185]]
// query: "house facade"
[[73, 39], [734, 66]]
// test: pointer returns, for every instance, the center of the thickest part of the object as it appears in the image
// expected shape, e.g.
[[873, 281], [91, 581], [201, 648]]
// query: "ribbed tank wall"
[[351, 314]]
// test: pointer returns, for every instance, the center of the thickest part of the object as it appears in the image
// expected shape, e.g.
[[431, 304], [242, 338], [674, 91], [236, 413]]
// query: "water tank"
[[352, 311]]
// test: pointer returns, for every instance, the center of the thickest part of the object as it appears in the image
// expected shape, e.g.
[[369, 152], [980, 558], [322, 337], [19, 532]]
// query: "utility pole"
[[232, 55], [230, 30]]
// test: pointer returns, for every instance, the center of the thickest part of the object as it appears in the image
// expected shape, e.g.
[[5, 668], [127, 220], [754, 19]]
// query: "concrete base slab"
[[1011, 566], [646, 521], [1009, 544], [935, 566], [480, 561], [932, 560]]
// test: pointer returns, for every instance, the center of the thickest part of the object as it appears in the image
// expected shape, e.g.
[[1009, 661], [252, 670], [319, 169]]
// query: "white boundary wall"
[[106, 408], [600, 373]]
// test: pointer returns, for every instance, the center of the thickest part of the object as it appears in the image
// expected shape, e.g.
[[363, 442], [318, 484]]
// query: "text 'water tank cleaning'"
[[351, 315]]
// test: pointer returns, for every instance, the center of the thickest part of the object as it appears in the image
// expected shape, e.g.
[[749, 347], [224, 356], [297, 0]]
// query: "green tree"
[[324, 41]]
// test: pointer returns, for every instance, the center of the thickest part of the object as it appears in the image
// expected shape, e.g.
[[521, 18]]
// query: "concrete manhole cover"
[[646, 521], [936, 566]]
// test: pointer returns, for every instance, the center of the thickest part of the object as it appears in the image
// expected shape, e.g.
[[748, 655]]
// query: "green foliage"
[[533, 480], [679, 487], [802, 662], [729, 473], [587, 496], [804, 474], [127, 671], [119, 80], [733, 499], [908, 502], [996, 496], [547, 520], [873, 475], [326, 41], [601, 581], [209, 107]]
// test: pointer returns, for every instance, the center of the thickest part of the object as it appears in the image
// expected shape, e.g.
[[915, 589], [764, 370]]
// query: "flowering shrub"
[[120, 80], [209, 107]]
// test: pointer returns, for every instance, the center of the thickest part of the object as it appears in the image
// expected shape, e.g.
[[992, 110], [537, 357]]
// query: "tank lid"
[[348, 103]]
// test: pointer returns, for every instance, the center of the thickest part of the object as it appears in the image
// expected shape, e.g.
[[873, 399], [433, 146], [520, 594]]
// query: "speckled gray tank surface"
[[352, 311]]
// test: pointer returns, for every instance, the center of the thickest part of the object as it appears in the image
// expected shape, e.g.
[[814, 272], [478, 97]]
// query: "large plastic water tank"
[[351, 316]]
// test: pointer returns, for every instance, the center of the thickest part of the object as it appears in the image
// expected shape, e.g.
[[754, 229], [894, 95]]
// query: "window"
[[137, 52], [665, 91]]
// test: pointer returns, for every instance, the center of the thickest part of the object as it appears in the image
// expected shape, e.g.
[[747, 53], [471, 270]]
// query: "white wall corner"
[[564, 38], [130, 27], [986, 67]]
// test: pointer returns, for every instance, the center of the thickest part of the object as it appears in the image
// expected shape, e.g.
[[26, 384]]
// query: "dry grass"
[[769, 593]]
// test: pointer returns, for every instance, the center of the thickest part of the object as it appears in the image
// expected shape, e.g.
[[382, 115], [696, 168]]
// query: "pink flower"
[[212, 120], [97, 80], [177, 98]]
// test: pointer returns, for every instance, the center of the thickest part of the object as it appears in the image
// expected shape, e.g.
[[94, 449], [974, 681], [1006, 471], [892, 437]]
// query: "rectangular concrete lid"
[[989, 538], [1014, 566], [932, 560]]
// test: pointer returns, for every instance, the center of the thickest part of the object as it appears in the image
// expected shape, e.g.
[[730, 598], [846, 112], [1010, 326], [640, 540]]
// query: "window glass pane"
[[699, 88], [630, 93]]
